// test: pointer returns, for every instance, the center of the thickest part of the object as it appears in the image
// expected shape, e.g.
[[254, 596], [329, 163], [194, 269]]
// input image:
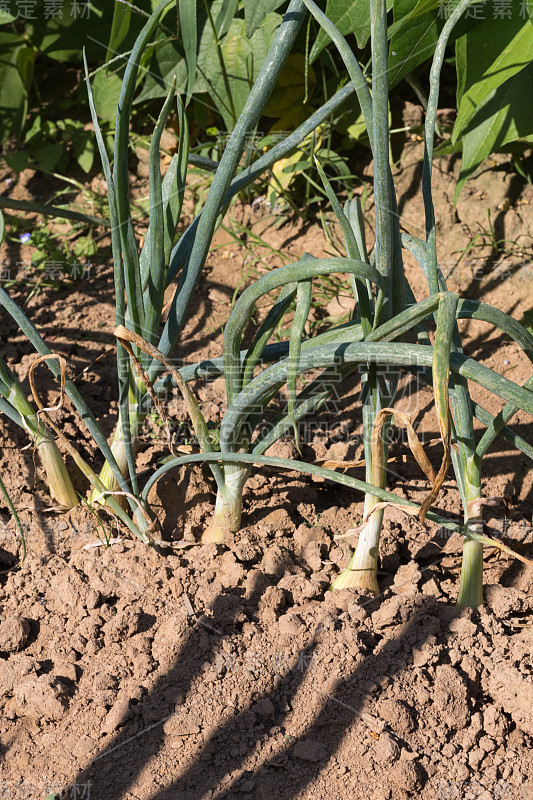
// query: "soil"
[[187, 671]]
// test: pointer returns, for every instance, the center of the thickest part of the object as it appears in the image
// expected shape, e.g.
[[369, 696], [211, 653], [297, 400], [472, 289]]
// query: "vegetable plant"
[[385, 311], [142, 277], [385, 320]]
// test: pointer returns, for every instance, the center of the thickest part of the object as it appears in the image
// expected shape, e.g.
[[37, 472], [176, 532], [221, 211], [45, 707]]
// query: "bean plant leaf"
[[84, 150], [63, 37], [445, 8], [106, 90], [189, 37], [412, 41], [348, 16], [503, 117], [119, 29], [16, 69], [414, 36], [167, 60], [7, 16], [494, 53], [256, 11], [243, 59]]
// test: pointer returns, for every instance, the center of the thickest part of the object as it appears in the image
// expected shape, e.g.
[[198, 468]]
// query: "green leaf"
[[5, 17], [423, 6], [167, 60], [84, 149], [106, 90], [243, 59], [256, 11], [25, 64], [49, 155], [495, 51], [527, 320], [85, 246], [225, 16], [17, 160], [290, 88], [503, 117], [13, 92], [189, 37], [348, 16], [119, 29], [63, 38], [411, 44]]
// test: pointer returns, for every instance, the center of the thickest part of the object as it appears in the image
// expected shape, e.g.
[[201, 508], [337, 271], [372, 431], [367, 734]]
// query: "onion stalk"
[[57, 476]]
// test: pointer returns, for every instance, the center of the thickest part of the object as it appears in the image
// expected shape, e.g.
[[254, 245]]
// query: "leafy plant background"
[[215, 49]]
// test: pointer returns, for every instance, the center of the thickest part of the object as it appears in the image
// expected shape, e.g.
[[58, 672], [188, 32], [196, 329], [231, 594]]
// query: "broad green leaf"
[[348, 16], [63, 38], [495, 51], [168, 60], [527, 319], [445, 7], [13, 94], [243, 59], [290, 88], [49, 155], [18, 160], [189, 37], [414, 36], [502, 118], [119, 29], [106, 90], [84, 151], [412, 44], [5, 17], [25, 65], [256, 11]]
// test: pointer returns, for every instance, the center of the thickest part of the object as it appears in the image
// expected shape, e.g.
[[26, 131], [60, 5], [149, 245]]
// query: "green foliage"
[[348, 17], [224, 67], [215, 57], [256, 11], [46, 136], [494, 64]]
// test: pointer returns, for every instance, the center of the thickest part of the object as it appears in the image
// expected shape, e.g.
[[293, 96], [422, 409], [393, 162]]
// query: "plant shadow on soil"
[[203, 774]]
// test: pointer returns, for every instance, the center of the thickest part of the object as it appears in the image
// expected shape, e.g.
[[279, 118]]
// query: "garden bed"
[[202, 671]]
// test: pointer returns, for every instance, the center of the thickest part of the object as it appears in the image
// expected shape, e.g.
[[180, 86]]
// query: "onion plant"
[[385, 310], [466, 456], [142, 275], [15, 405], [388, 328]]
